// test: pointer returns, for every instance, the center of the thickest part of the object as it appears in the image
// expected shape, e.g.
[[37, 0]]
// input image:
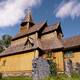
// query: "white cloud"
[[12, 11], [71, 8]]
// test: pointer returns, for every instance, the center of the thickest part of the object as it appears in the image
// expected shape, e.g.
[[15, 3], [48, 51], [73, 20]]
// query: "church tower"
[[27, 22]]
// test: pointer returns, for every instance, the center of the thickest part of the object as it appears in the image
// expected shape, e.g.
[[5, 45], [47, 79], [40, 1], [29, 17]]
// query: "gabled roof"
[[38, 27], [33, 29], [72, 42], [48, 44], [52, 28], [13, 50], [51, 44]]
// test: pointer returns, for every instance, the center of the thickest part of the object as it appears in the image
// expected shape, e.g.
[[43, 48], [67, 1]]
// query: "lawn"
[[59, 77], [16, 78], [64, 77]]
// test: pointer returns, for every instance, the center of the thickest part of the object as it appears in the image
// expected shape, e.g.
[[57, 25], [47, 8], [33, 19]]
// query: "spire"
[[27, 22], [28, 17]]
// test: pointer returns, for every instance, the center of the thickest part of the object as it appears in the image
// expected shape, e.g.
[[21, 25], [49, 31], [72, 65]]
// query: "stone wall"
[[40, 69]]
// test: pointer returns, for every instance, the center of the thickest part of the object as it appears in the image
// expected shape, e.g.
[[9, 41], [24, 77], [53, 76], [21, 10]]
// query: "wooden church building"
[[38, 40]]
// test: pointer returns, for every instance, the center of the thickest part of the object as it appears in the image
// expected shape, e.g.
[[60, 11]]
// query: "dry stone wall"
[[40, 69]]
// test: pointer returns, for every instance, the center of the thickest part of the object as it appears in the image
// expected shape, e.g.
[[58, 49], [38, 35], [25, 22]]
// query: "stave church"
[[35, 40]]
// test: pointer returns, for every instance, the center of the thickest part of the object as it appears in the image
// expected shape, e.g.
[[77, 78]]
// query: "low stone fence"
[[41, 68], [71, 67]]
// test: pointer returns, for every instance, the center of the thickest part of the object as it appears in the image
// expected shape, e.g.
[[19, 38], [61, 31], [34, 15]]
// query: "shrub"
[[53, 71]]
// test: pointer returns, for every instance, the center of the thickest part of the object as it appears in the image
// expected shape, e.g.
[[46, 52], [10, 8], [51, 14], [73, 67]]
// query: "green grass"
[[64, 77], [16, 78], [59, 77]]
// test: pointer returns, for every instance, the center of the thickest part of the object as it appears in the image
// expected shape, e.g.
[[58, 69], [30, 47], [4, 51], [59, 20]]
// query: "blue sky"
[[65, 11]]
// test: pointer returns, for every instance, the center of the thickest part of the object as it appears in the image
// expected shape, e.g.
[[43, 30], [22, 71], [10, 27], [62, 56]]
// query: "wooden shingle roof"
[[51, 44], [48, 44], [12, 50], [38, 27], [33, 29], [51, 28], [72, 42]]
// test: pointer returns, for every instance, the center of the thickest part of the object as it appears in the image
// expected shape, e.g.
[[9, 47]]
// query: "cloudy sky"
[[66, 11]]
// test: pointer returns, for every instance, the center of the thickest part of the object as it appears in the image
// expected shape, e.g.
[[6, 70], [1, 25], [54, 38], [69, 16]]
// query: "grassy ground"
[[16, 78], [59, 77], [64, 77]]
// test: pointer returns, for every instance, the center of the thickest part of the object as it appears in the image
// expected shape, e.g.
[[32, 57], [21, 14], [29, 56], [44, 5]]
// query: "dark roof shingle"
[[51, 44], [33, 29], [48, 44], [51, 28], [72, 42], [16, 49]]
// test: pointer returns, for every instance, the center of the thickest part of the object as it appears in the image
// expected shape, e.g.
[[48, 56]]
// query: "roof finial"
[[28, 17]]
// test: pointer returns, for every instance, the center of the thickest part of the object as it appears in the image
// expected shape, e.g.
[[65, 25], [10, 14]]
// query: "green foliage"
[[1, 46], [1, 50], [76, 75], [52, 68], [5, 42]]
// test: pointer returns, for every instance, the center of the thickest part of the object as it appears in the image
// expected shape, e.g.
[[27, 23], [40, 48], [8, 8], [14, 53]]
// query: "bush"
[[53, 71]]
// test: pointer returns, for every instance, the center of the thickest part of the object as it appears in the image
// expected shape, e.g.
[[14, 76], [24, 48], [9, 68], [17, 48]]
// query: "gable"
[[29, 43], [49, 35]]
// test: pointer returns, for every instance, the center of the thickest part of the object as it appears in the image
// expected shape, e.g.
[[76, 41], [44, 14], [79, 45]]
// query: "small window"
[[68, 54]]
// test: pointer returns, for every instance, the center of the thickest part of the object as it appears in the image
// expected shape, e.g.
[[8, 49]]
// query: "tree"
[[5, 42]]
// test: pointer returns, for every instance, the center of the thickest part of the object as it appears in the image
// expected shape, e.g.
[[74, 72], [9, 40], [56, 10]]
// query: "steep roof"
[[33, 29], [18, 49], [51, 44], [37, 27], [48, 44], [51, 28], [72, 42]]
